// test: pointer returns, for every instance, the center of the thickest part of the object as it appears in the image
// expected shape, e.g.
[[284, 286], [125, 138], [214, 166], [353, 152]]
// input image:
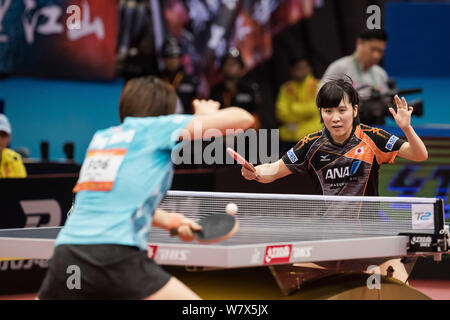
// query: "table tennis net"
[[279, 218]]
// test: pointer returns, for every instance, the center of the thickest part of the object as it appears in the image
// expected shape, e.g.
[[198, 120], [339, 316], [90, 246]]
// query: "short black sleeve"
[[295, 158]]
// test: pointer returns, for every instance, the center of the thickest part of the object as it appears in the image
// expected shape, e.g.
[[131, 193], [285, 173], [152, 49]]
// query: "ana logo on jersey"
[[342, 172]]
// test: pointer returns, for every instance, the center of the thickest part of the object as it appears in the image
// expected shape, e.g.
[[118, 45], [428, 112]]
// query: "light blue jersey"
[[125, 175]]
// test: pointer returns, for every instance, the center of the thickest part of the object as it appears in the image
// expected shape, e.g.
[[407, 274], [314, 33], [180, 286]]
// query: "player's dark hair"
[[374, 34], [333, 91], [147, 97]]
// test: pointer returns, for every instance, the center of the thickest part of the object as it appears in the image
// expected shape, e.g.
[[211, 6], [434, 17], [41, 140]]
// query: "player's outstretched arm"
[[414, 149], [266, 173], [170, 220], [209, 121]]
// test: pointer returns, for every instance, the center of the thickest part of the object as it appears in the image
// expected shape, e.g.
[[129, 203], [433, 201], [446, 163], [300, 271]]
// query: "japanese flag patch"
[[360, 150]]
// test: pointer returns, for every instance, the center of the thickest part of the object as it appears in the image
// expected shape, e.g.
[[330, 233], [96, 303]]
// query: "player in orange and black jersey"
[[349, 169], [345, 156]]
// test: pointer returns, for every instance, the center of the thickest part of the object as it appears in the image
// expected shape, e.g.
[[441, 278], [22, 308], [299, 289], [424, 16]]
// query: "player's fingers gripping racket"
[[241, 160], [215, 228]]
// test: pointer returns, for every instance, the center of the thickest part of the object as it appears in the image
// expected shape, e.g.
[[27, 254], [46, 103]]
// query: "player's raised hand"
[[403, 115], [203, 107]]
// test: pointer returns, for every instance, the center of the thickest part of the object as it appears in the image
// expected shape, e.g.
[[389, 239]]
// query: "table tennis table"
[[279, 229], [38, 243]]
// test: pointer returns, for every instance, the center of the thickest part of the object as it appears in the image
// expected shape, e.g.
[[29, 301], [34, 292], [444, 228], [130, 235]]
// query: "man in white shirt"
[[369, 79]]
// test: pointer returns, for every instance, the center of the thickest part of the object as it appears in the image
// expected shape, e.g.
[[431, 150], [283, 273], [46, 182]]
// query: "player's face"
[[4, 140], [339, 120]]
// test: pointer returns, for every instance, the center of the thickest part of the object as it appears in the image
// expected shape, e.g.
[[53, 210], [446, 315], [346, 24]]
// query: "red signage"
[[278, 254]]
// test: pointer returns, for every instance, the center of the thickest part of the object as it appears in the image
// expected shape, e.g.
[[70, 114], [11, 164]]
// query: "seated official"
[[11, 165]]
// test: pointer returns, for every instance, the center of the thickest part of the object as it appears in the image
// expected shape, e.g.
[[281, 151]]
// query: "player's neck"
[[341, 139]]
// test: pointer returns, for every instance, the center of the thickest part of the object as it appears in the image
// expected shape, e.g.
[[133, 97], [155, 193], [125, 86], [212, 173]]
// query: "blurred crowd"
[[291, 107], [295, 106]]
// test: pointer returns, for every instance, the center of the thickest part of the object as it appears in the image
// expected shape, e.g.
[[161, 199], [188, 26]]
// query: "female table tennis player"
[[345, 156], [125, 175]]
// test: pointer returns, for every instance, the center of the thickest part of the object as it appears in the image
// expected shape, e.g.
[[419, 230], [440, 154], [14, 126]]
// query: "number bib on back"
[[100, 168]]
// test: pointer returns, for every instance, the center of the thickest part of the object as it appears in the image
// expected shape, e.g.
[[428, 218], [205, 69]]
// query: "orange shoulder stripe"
[[382, 157], [308, 139]]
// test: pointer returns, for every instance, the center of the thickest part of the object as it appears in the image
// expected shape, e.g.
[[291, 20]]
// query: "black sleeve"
[[295, 158]]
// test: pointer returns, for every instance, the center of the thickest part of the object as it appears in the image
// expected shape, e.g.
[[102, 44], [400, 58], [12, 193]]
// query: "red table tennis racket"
[[215, 228], [241, 160]]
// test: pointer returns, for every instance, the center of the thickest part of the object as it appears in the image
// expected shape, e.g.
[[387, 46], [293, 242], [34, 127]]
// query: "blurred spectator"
[[369, 79], [11, 165], [296, 108], [173, 73], [233, 91]]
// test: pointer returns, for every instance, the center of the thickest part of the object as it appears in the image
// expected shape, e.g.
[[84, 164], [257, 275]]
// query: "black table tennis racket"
[[215, 228]]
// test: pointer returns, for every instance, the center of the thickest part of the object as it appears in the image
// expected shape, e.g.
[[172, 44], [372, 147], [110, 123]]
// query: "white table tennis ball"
[[231, 208]]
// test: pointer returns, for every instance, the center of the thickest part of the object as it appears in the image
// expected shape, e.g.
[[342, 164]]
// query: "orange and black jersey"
[[350, 169]]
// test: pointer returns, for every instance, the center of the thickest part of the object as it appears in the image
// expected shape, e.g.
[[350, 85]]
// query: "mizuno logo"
[[325, 158]]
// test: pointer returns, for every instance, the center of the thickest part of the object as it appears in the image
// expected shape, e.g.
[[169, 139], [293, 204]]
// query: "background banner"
[[58, 38], [207, 29]]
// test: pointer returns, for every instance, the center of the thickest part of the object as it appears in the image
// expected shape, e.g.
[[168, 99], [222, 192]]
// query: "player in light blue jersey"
[[125, 175]]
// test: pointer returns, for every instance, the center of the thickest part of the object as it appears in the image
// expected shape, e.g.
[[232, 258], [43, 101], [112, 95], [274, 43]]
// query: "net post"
[[438, 216]]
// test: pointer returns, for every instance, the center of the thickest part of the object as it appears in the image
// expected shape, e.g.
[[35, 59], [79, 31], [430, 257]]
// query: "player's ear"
[[356, 119], [355, 111]]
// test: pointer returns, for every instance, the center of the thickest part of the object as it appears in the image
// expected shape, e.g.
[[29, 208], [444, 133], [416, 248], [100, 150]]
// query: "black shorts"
[[103, 271]]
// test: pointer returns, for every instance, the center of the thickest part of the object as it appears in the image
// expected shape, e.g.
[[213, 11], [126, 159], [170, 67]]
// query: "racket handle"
[[174, 232]]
